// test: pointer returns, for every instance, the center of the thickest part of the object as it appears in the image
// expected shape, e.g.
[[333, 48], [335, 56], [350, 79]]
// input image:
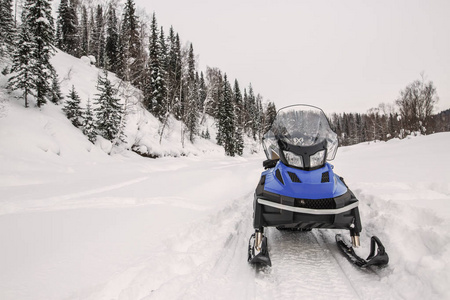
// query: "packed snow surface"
[[77, 223]]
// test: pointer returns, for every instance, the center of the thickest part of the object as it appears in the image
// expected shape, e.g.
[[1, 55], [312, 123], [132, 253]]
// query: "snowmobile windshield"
[[300, 126]]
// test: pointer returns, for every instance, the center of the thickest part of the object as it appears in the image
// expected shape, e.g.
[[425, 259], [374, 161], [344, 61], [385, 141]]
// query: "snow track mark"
[[301, 269]]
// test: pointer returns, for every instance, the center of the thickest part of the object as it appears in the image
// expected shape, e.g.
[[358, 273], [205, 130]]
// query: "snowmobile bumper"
[[311, 211], [274, 210]]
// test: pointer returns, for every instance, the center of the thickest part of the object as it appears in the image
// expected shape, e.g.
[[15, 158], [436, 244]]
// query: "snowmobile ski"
[[381, 258], [258, 254]]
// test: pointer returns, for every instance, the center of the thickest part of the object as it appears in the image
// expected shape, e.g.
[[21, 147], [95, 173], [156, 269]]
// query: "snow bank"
[[404, 189]]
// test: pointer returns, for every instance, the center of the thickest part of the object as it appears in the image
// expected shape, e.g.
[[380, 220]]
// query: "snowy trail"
[[301, 266], [179, 228], [211, 260]]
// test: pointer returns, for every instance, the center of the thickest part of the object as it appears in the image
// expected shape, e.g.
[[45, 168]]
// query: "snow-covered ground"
[[77, 223]]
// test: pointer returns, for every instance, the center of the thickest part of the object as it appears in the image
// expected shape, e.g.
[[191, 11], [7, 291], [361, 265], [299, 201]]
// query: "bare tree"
[[416, 104]]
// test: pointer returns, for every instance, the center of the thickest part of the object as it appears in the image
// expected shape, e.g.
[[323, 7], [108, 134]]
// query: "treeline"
[[163, 69], [411, 113], [140, 54]]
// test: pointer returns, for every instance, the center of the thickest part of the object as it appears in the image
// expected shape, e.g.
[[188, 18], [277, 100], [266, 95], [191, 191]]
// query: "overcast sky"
[[339, 55]]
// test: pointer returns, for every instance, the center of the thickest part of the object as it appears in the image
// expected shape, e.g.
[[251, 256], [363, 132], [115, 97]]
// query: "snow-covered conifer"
[[67, 28], [174, 73], [84, 32], [56, 96], [191, 106], [132, 58], [72, 108], [89, 128], [109, 111], [7, 29], [226, 122], [155, 91], [98, 38], [202, 91], [238, 113], [112, 41], [238, 141], [38, 17], [23, 67]]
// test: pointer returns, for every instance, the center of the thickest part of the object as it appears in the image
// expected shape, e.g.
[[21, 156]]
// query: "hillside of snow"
[[143, 131], [77, 223]]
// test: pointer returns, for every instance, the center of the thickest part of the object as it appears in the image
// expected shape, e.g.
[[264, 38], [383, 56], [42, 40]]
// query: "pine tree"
[[269, 116], [164, 65], [174, 74], [56, 96], [108, 111], [39, 21], [89, 129], [251, 108], [67, 28], [258, 117], [238, 104], [84, 32], [192, 111], [246, 112], [98, 38], [112, 41], [132, 64], [92, 36], [226, 125], [238, 113], [214, 90], [202, 91], [154, 94], [62, 19], [72, 108], [23, 67], [7, 29]]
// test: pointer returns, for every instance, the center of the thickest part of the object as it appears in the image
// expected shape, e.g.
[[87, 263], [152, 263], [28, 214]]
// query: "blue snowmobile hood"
[[296, 183]]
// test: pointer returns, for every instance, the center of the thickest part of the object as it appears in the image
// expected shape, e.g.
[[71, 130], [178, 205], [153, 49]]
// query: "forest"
[[412, 113], [155, 61]]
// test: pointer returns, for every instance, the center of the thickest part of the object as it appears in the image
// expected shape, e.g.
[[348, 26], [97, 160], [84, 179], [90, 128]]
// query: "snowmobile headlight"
[[317, 159], [293, 160]]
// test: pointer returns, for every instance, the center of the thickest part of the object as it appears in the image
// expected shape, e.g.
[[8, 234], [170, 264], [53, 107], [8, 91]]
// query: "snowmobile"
[[299, 191]]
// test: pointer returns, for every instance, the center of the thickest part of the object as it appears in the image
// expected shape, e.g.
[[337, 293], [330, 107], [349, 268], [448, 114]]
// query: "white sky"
[[339, 55]]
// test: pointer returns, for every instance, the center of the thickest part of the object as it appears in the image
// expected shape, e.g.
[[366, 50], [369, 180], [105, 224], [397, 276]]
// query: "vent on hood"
[[294, 177], [325, 177]]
